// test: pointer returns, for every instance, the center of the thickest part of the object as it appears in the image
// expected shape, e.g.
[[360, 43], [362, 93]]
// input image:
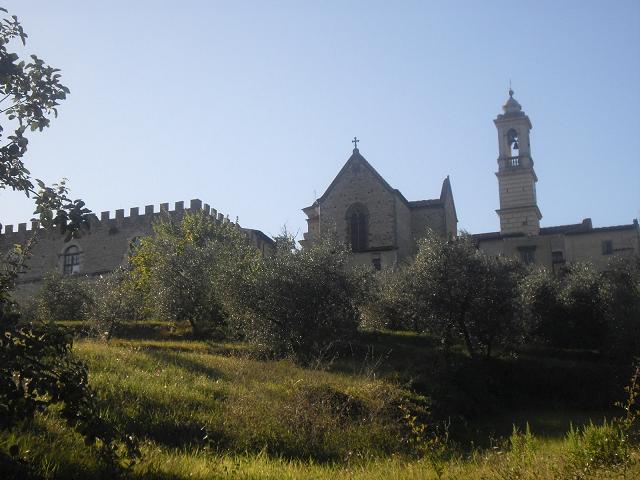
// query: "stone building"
[[104, 247], [520, 231], [379, 223], [382, 226]]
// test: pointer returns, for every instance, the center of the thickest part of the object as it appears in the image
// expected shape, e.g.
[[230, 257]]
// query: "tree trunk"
[[467, 337]]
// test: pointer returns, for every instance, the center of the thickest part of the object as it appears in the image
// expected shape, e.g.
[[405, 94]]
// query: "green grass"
[[214, 410]]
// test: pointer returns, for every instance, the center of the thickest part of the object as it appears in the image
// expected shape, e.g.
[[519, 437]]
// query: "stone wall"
[[357, 184], [105, 246], [428, 217], [571, 246], [404, 234]]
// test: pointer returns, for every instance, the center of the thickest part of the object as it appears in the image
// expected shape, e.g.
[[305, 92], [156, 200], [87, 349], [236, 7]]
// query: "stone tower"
[[519, 212]]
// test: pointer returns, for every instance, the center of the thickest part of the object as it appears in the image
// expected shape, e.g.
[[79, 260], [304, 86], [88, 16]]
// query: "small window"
[[376, 262], [527, 255], [557, 256], [71, 260], [607, 247]]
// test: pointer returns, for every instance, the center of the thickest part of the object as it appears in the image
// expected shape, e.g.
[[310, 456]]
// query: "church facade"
[[376, 220]]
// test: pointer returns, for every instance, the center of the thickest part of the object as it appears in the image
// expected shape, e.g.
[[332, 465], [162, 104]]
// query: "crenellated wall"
[[105, 246]]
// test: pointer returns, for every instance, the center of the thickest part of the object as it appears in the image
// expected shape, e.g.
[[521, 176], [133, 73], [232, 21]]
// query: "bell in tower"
[[519, 212]]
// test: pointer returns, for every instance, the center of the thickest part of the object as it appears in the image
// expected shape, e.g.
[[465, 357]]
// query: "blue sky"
[[251, 106]]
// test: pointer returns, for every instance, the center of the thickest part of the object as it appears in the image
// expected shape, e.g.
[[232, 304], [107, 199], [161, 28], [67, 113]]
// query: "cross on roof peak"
[[355, 142]]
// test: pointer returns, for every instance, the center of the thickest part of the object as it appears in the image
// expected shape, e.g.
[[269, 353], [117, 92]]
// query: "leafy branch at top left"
[[30, 92]]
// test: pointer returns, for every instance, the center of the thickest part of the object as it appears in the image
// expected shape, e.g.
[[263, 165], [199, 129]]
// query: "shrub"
[[302, 304], [455, 292], [587, 309], [37, 371], [183, 269], [116, 299], [64, 297], [620, 294], [594, 447], [518, 456], [313, 419]]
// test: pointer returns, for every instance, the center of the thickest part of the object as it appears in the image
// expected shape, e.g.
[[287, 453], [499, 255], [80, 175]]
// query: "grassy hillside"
[[215, 410]]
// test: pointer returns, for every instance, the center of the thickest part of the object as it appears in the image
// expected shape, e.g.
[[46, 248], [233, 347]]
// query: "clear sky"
[[251, 106]]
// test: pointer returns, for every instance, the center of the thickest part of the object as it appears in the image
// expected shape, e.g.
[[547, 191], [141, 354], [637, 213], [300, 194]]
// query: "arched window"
[[358, 227], [71, 260], [512, 140]]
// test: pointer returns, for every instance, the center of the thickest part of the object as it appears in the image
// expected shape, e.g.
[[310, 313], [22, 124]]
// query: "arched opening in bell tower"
[[513, 142]]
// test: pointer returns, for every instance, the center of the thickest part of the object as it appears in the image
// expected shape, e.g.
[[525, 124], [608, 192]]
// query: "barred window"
[[71, 260], [607, 247]]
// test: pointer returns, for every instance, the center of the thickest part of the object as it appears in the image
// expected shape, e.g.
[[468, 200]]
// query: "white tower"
[[519, 212]]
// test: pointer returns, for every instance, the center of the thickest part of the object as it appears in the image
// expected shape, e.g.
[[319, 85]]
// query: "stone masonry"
[[520, 233], [105, 246], [360, 199]]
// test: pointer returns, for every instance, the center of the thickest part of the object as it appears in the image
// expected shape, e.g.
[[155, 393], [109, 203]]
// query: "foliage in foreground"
[[38, 372], [245, 418], [33, 91], [303, 304]]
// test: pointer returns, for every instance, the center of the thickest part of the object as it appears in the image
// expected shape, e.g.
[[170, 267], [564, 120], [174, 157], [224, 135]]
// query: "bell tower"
[[519, 212]]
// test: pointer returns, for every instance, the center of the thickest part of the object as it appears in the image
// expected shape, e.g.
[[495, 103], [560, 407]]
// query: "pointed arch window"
[[71, 260], [358, 227]]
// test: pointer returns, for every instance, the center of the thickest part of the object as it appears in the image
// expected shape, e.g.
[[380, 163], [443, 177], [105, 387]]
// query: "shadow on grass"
[[150, 423], [191, 365]]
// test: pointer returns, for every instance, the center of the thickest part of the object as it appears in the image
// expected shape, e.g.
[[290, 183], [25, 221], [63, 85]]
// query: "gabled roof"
[[357, 157]]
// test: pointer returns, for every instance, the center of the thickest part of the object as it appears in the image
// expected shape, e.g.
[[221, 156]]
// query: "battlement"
[[135, 215]]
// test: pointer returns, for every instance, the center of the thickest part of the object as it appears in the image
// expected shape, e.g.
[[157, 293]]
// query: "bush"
[[594, 447], [457, 293], [390, 302], [620, 293], [303, 304], [116, 300], [37, 371], [313, 419], [587, 309], [64, 297], [184, 268]]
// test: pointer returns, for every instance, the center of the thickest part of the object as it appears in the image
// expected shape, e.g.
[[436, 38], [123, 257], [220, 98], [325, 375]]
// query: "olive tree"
[[457, 293], [187, 265], [303, 303]]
